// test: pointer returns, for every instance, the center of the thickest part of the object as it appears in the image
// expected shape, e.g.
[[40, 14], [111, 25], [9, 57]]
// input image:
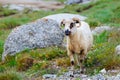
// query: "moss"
[[48, 53], [63, 62], [24, 63], [114, 36], [41, 68]]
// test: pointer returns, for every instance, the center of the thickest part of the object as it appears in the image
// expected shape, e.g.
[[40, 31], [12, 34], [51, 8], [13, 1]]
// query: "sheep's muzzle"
[[67, 32]]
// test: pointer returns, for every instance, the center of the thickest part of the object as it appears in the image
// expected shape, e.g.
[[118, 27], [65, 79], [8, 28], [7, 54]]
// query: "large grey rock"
[[66, 16], [39, 34], [99, 30], [117, 50], [68, 2]]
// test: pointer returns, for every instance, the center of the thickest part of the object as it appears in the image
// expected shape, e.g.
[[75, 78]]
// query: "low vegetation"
[[11, 75], [6, 11], [33, 63]]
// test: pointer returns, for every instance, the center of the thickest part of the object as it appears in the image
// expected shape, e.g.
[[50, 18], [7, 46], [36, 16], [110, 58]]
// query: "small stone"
[[103, 71], [117, 50], [49, 76], [98, 77]]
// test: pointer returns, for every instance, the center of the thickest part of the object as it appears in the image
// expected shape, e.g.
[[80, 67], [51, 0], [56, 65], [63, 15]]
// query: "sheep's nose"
[[67, 32]]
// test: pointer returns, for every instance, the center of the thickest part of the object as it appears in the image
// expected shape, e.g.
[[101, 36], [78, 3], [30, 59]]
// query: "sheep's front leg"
[[70, 54], [77, 59]]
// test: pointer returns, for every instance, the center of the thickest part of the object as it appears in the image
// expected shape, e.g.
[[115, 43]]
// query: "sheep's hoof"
[[82, 72], [71, 75], [72, 62]]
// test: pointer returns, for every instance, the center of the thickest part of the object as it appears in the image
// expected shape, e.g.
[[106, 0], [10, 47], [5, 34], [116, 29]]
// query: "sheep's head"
[[70, 26]]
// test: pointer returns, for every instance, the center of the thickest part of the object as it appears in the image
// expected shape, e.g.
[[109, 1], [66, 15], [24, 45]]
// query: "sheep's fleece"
[[39, 34]]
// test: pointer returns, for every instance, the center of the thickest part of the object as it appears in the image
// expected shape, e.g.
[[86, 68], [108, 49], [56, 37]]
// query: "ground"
[[35, 63]]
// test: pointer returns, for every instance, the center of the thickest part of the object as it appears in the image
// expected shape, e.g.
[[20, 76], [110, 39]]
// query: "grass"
[[37, 62], [62, 1], [94, 11], [6, 12], [11, 75], [105, 13], [103, 54]]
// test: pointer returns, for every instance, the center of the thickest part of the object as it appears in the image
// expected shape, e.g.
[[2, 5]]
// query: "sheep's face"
[[70, 26]]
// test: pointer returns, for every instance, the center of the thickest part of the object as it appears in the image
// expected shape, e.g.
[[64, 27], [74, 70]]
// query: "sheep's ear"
[[62, 22], [77, 21]]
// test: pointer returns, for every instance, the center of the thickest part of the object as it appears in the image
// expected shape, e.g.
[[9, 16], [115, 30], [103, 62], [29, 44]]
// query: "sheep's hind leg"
[[81, 60], [81, 66]]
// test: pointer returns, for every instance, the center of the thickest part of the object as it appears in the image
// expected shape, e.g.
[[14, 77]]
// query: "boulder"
[[61, 16], [68, 2], [40, 34], [117, 50], [99, 30]]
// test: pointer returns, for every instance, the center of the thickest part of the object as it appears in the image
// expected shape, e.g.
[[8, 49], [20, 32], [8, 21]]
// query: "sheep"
[[79, 40]]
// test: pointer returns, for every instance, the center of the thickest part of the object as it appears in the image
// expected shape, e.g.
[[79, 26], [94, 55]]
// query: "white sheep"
[[79, 40]]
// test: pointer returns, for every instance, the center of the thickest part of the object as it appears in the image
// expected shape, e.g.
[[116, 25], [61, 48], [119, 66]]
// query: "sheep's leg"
[[77, 59], [82, 58], [81, 64], [70, 54]]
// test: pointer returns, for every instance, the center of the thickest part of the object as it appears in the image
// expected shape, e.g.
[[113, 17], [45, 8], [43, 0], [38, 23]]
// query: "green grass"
[[103, 12], [11, 75], [6, 12], [103, 54], [94, 11], [62, 1]]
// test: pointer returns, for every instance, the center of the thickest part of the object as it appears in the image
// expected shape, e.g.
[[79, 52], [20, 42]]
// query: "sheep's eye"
[[62, 24], [77, 21], [71, 25]]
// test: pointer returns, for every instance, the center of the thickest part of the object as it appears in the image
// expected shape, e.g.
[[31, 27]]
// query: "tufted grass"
[[94, 11], [11, 75], [101, 55], [104, 13], [62, 1], [6, 12]]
